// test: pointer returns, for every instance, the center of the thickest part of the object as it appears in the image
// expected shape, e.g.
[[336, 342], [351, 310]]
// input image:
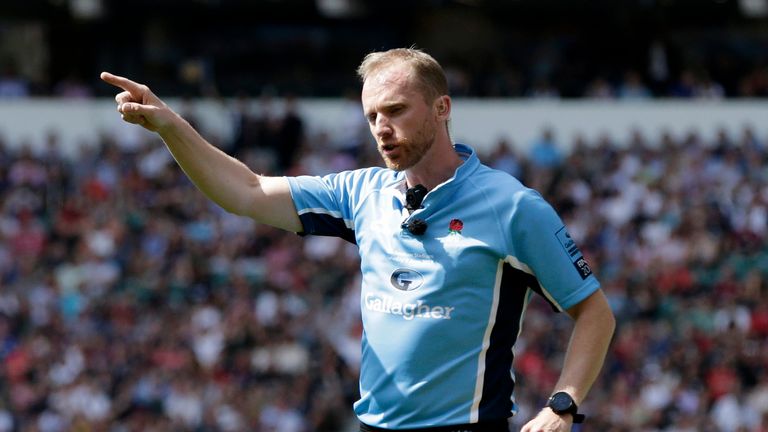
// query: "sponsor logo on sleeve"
[[577, 259]]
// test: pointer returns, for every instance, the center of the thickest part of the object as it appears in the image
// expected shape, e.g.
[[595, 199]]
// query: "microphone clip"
[[416, 227], [414, 197]]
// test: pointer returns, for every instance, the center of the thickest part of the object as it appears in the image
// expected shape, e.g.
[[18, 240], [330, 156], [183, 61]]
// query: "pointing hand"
[[139, 105]]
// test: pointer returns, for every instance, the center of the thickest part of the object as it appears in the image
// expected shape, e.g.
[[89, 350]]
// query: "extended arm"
[[222, 178], [594, 324]]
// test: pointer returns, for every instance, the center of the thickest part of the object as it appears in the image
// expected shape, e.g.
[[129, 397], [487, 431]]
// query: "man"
[[451, 251]]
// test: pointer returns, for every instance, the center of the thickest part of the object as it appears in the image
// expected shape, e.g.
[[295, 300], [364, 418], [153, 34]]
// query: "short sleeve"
[[541, 241], [325, 204]]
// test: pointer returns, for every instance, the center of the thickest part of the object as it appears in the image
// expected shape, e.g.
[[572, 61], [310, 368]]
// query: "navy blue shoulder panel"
[[324, 224]]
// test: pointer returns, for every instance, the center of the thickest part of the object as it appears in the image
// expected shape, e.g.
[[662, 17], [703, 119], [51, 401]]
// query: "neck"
[[438, 165]]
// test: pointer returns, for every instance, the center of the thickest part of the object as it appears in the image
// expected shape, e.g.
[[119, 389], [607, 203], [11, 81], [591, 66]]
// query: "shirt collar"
[[438, 196], [470, 164]]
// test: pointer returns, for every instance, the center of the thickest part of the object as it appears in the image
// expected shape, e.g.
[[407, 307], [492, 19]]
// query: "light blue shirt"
[[441, 311]]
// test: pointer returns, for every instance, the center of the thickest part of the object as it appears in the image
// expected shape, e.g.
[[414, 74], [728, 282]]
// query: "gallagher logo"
[[406, 279]]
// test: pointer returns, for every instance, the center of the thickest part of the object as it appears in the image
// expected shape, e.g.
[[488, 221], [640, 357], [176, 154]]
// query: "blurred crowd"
[[129, 302], [503, 82], [310, 48]]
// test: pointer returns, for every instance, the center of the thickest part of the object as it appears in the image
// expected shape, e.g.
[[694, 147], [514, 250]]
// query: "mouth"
[[388, 149]]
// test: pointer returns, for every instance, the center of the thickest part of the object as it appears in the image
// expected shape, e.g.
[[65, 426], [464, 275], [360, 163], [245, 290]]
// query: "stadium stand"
[[128, 302]]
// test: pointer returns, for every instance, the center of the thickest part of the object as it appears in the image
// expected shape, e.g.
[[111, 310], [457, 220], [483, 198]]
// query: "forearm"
[[592, 333], [222, 178], [219, 176]]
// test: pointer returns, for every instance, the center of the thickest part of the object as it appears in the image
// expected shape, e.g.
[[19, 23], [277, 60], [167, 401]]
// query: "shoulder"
[[366, 178], [501, 185], [511, 199]]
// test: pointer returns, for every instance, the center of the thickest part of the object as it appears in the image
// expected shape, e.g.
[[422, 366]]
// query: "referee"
[[451, 252]]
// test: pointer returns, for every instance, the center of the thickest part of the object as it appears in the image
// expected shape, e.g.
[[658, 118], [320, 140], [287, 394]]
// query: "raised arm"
[[222, 178]]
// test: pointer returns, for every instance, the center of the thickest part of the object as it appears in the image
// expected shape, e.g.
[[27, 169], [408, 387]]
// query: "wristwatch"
[[563, 403]]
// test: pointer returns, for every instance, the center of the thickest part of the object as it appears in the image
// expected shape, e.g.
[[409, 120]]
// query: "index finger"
[[134, 88]]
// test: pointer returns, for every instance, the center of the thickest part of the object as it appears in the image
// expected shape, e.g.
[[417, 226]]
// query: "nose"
[[382, 128]]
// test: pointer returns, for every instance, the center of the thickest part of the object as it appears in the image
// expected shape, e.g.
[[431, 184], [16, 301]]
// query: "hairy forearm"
[[592, 333]]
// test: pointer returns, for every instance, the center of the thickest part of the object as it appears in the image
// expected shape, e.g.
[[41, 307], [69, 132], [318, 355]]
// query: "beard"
[[410, 151]]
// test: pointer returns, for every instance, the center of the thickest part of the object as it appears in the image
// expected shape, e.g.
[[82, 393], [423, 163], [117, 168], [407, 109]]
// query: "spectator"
[[72, 86], [685, 86], [290, 135], [543, 89], [544, 151], [754, 83], [708, 88], [599, 88], [632, 87], [12, 85], [505, 159]]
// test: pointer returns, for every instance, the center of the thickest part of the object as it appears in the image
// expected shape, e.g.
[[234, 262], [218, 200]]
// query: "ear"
[[443, 107]]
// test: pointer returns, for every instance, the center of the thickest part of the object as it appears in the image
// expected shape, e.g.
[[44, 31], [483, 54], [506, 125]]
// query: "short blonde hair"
[[430, 76]]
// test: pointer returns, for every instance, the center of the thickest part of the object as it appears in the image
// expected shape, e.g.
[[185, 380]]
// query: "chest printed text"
[[407, 311]]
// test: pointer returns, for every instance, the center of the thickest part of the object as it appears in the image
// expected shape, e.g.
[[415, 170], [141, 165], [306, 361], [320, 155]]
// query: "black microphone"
[[415, 227], [414, 196]]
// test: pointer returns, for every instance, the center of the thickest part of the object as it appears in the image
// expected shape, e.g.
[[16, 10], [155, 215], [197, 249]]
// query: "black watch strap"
[[563, 403], [579, 418]]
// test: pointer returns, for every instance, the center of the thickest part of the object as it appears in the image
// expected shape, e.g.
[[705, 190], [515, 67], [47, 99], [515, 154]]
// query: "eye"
[[371, 118]]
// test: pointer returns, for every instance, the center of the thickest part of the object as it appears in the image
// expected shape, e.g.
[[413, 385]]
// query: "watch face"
[[561, 402]]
